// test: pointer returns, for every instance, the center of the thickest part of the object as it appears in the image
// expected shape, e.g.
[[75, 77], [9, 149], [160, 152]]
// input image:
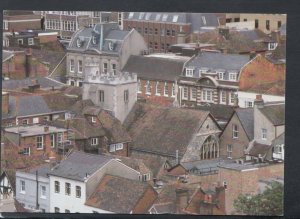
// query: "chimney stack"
[[259, 102], [5, 102], [182, 198]]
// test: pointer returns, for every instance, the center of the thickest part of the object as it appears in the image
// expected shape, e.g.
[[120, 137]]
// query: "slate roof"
[[6, 55], [275, 113], [258, 148], [118, 194], [42, 170], [217, 61], [26, 105], [59, 101], [163, 130], [111, 33], [282, 29], [195, 19], [78, 164], [44, 82], [254, 35], [246, 117], [218, 111], [154, 68]]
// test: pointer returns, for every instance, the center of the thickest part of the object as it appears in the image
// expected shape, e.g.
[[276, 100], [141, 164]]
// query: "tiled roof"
[[44, 82], [154, 68], [118, 194], [163, 130], [218, 111], [79, 164], [246, 117], [275, 113], [111, 35], [272, 88], [258, 148], [59, 101], [134, 163]]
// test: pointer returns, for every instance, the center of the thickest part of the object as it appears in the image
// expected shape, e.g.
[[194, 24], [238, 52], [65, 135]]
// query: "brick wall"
[[177, 171], [145, 202], [260, 70]]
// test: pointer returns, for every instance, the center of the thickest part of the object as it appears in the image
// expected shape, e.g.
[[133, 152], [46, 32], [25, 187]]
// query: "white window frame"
[[231, 98], [56, 184], [94, 119], [222, 97], [94, 141], [220, 75], [189, 72], [130, 15], [66, 189], [119, 146], [78, 188], [80, 66], [193, 91], [25, 121], [40, 144], [52, 136], [229, 150], [114, 68], [264, 134], [43, 192], [232, 76], [175, 18], [5, 24], [112, 148], [26, 152], [72, 65], [248, 104], [205, 95], [166, 89], [185, 93], [272, 46], [105, 67], [148, 88], [35, 120], [235, 131], [22, 186], [30, 41], [139, 86], [157, 89]]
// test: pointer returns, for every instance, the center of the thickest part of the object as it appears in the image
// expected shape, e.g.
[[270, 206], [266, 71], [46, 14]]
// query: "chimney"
[[182, 198], [275, 35], [5, 102], [259, 102], [46, 128]]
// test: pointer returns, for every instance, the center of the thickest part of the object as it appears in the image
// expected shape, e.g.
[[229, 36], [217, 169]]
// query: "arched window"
[[210, 149]]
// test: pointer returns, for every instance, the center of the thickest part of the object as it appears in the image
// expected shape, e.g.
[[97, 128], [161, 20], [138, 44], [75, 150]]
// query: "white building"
[[246, 99]]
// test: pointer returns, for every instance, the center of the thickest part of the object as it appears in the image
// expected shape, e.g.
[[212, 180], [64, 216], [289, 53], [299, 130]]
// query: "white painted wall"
[[249, 96]]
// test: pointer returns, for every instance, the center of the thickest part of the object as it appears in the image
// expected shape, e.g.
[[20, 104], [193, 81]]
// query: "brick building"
[[161, 30], [20, 22]]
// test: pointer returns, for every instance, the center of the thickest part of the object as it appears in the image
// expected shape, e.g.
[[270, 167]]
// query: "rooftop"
[[246, 117], [246, 166], [275, 113], [33, 130]]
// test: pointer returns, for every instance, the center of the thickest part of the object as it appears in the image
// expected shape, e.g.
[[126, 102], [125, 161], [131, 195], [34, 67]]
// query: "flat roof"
[[33, 130]]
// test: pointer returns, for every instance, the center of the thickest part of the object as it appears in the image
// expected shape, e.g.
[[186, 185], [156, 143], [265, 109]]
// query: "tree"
[[270, 202]]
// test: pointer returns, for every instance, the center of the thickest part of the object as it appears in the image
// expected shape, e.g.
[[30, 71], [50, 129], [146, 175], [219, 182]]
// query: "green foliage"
[[270, 202]]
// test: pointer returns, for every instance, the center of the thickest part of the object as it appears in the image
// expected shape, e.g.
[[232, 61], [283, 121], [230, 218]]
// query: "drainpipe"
[[101, 37], [37, 190]]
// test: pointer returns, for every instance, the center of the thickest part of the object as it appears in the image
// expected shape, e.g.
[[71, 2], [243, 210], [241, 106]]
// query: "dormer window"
[[204, 20], [221, 75], [272, 46], [130, 15], [94, 40], [189, 72], [78, 43], [110, 45], [232, 76]]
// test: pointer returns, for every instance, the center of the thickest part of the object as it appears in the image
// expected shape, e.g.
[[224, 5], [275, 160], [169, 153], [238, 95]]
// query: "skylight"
[[157, 18], [148, 16], [165, 17], [130, 15], [175, 18], [141, 16]]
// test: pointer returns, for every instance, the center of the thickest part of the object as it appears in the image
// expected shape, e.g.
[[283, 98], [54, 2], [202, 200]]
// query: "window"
[[203, 20], [155, 31], [114, 68], [267, 24], [147, 16], [164, 17], [139, 29], [221, 75], [235, 131], [232, 76], [43, 192], [248, 103], [223, 97], [101, 95], [173, 90], [72, 65], [229, 151], [59, 137], [225, 184], [162, 32], [166, 89], [68, 189], [141, 15], [119, 146], [145, 177], [148, 88], [22, 187], [105, 67], [56, 210], [146, 30], [20, 41], [40, 142], [157, 18], [173, 32], [67, 211], [94, 119], [56, 187], [272, 46], [94, 40], [30, 41], [175, 18], [5, 25], [78, 42], [278, 24], [168, 32], [52, 140], [155, 45], [189, 72], [264, 134], [256, 23], [193, 93], [35, 120], [130, 15], [112, 148], [185, 93], [207, 95], [79, 66], [24, 121], [162, 46], [232, 98], [157, 89], [245, 19], [26, 151], [78, 192], [126, 96], [45, 118], [94, 141], [111, 46], [139, 86]]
